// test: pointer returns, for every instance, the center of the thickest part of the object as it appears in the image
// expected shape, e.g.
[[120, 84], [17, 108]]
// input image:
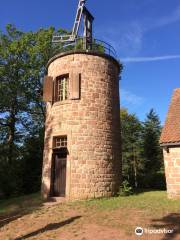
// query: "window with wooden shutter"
[[62, 88], [75, 85], [48, 89]]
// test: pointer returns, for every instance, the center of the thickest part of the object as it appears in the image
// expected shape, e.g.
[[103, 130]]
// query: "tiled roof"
[[171, 129]]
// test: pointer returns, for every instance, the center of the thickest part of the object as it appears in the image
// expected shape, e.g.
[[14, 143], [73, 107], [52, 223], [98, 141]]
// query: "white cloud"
[[126, 38], [128, 98], [150, 59], [166, 20], [131, 40]]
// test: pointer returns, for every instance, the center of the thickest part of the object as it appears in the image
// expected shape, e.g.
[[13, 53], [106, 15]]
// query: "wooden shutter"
[[48, 89], [74, 85]]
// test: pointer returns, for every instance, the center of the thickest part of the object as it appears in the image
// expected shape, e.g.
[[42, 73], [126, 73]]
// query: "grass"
[[20, 204], [152, 202], [147, 209], [146, 206]]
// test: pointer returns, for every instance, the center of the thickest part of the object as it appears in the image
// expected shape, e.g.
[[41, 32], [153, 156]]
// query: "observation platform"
[[96, 47]]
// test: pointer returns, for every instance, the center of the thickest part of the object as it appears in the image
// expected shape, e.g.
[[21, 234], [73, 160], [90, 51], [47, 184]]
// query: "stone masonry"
[[91, 124], [170, 141], [172, 169]]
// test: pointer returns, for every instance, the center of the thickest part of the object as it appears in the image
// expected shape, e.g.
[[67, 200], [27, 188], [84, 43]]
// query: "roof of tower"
[[171, 130]]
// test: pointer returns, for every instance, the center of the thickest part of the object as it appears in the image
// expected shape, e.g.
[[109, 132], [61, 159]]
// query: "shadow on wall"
[[46, 171], [49, 227], [169, 222]]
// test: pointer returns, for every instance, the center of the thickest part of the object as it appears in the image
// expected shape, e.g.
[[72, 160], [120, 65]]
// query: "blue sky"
[[145, 34]]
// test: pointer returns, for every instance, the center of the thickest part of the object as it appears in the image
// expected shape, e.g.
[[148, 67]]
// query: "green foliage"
[[23, 57], [141, 153], [152, 152], [32, 163], [98, 47], [151, 148], [125, 189], [131, 131], [78, 45]]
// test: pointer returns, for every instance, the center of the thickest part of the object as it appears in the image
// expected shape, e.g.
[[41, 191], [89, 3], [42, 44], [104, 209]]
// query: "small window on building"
[[62, 88], [60, 142]]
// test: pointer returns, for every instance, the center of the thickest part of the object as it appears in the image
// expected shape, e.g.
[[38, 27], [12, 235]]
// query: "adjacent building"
[[170, 141]]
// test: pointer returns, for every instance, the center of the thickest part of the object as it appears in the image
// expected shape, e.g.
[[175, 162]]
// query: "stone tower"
[[82, 154], [82, 149], [170, 141]]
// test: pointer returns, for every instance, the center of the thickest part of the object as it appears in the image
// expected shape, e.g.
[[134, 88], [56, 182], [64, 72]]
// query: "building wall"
[[92, 126], [172, 170]]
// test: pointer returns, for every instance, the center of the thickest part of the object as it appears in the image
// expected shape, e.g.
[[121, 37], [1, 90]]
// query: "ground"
[[103, 219]]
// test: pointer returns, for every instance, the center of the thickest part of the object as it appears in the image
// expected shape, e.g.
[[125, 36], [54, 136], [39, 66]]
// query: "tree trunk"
[[135, 168], [12, 129]]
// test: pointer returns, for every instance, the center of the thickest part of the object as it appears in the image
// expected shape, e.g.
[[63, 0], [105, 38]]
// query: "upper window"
[[60, 142], [62, 91]]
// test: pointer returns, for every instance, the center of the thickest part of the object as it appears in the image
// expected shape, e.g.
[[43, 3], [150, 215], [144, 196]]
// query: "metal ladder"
[[71, 38]]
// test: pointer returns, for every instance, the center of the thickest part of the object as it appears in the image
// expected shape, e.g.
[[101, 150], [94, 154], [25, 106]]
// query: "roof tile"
[[171, 129]]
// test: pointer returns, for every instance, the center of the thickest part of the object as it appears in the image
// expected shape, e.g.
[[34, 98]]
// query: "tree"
[[152, 153], [151, 136], [32, 163], [131, 147], [23, 57]]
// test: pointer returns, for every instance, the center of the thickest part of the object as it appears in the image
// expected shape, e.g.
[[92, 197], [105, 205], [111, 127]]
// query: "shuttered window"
[[75, 82], [67, 87], [62, 88], [48, 89]]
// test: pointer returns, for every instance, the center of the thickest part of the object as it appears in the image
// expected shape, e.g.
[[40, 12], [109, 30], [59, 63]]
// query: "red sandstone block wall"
[[92, 126], [172, 170]]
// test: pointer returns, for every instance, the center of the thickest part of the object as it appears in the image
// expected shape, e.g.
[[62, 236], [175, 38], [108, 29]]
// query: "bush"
[[125, 189], [153, 180]]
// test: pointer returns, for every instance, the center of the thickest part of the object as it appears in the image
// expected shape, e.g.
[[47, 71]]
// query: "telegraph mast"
[[82, 12]]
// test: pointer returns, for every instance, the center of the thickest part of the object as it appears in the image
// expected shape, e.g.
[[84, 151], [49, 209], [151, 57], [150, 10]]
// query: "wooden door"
[[59, 183]]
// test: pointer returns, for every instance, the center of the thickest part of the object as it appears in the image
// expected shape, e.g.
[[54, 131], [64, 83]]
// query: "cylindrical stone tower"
[[82, 153]]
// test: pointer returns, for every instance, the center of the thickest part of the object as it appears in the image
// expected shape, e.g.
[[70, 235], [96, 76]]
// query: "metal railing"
[[96, 45]]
